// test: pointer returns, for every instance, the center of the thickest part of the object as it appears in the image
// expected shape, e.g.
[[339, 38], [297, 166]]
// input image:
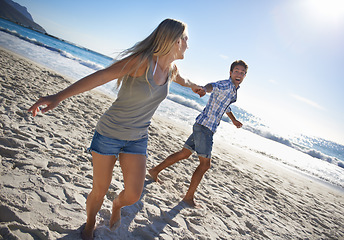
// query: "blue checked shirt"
[[224, 93]]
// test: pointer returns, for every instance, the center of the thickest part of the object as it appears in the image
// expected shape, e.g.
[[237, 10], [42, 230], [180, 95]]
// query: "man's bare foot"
[[115, 220], [87, 232], [154, 175], [191, 203]]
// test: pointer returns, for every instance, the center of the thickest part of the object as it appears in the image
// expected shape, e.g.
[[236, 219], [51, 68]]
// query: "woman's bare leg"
[[170, 160], [102, 174], [134, 173]]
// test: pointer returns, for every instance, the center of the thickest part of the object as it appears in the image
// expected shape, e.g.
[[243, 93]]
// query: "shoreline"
[[300, 173], [46, 176]]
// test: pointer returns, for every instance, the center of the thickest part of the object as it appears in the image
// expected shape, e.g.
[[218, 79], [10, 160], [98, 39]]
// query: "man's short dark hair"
[[239, 62]]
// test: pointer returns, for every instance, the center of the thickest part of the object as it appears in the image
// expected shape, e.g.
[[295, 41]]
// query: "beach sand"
[[46, 174]]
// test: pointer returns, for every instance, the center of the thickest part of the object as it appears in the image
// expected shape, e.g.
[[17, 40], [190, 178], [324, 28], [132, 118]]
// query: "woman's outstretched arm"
[[87, 83], [187, 83]]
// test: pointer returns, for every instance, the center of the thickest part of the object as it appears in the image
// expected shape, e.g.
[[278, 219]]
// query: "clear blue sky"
[[294, 49]]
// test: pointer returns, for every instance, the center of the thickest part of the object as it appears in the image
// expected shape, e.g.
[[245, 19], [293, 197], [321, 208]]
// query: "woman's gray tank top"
[[130, 115]]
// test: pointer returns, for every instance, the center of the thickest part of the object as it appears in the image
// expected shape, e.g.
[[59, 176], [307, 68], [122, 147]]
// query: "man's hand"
[[237, 123]]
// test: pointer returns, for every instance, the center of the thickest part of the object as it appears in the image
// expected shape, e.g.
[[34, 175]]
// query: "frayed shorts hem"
[[89, 150]]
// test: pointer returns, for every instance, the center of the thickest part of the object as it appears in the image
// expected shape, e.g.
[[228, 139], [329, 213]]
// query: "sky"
[[294, 49]]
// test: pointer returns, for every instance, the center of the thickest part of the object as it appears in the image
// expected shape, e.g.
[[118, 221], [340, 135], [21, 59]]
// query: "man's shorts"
[[111, 146], [200, 141]]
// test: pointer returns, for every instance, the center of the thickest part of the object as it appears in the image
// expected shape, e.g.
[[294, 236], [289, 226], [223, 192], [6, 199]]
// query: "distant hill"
[[16, 13]]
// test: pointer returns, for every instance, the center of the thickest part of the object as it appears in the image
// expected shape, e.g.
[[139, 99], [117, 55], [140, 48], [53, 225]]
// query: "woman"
[[144, 73]]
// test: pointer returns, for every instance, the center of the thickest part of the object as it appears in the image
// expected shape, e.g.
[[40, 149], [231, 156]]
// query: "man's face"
[[237, 75]]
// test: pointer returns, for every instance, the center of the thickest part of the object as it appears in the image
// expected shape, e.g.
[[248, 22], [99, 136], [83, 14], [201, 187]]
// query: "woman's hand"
[[50, 101]]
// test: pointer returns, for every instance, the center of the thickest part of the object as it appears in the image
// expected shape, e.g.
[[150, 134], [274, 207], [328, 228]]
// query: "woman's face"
[[181, 46]]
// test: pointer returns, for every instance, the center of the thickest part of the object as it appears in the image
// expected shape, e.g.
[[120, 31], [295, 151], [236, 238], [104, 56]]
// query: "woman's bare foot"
[[154, 175], [115, 220]]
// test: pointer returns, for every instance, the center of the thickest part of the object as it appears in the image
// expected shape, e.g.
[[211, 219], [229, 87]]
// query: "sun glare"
[[326, 11]]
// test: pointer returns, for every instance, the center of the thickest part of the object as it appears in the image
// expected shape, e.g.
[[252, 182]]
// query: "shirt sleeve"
[[220, 85], [215, 86], [228, 110]]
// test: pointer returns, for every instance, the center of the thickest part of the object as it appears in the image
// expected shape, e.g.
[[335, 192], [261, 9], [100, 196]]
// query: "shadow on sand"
[[154, 229]]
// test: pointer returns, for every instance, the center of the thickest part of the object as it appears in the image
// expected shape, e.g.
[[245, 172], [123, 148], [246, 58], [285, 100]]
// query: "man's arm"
[[235, 122], [208, 88]]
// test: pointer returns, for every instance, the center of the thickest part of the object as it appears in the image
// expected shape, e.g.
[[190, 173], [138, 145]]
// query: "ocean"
[[320, 158]]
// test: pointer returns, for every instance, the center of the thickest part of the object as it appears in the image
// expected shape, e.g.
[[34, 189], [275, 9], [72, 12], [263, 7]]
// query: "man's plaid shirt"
[[224, 93]]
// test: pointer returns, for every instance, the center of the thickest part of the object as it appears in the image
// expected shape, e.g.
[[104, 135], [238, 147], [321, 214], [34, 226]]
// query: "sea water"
[[323, 159]]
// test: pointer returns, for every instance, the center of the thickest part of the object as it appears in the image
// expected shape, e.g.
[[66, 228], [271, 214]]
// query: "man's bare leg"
[[170, 160], [203, 166]]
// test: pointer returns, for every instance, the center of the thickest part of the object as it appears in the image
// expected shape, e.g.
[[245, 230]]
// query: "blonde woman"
[[144, 73]]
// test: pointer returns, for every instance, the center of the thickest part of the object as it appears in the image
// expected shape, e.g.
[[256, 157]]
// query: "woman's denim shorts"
[[200, 141], [111, 146]]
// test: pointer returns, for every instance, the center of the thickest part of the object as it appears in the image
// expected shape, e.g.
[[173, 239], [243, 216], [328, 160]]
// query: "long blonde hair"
[[158, 43]]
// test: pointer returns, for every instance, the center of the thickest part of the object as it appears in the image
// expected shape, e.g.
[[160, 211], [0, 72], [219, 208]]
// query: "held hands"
[[199, 90], [50, 102]]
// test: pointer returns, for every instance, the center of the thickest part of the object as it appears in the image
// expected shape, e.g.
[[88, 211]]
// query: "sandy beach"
[[46, 174]]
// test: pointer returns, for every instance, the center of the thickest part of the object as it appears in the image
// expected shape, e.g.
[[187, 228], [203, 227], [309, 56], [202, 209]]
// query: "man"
[[223, 93]]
